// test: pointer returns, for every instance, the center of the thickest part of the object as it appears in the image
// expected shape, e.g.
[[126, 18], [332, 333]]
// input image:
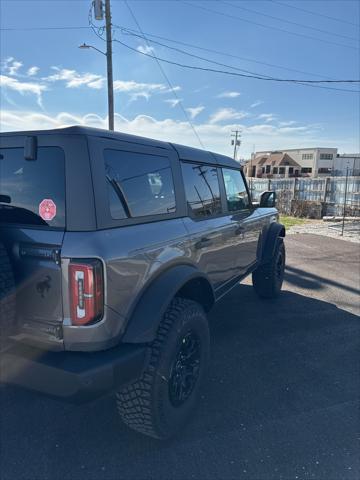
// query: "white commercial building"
[[305, 162], [314, 161], [349, 162]]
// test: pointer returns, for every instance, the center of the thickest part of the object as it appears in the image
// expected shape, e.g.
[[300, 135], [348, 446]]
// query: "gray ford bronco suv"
[[113, 248]]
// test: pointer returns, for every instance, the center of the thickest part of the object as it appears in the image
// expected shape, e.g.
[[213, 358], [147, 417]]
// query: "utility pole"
[[236, 141], [110, 83], [99, 15]]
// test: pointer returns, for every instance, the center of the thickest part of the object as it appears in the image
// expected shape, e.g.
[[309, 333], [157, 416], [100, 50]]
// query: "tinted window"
[[202, 189], [236, 193], [32, 192], [138, 184]]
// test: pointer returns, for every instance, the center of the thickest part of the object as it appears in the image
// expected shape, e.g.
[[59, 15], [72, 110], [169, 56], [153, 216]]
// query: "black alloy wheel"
[[185, 369]]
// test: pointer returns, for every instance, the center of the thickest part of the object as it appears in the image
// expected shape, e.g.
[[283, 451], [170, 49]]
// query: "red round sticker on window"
[[47, 209]]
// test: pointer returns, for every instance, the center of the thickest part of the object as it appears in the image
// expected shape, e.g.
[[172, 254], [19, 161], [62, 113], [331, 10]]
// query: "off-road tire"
[[7, 296], [268, 278], [146, 404]]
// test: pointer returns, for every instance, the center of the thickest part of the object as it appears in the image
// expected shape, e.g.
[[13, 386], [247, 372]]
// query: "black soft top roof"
[[184, 152]]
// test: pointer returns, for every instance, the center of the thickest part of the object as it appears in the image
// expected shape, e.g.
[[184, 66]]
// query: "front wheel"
[[159, 403], [268, 277]]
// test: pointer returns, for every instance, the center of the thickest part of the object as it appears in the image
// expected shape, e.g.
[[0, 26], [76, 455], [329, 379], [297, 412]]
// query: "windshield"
[[32, 192]]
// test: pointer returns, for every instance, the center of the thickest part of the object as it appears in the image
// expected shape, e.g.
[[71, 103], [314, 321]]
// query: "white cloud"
[[287, 124], [23, 88], [73, 79], [145, 49], [214, 136], [132, 86], [32, 71], [138, 89], [268, 117], [224, 114], [173, 102], [256, 104], [175, 89], [11, 66], [229, 95], [195, 111]]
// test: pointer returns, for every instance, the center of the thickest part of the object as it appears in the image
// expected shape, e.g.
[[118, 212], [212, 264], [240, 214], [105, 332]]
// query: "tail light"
[[86, 284]]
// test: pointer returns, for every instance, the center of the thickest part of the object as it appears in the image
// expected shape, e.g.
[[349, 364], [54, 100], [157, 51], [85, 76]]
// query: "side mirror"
[[268, 199]]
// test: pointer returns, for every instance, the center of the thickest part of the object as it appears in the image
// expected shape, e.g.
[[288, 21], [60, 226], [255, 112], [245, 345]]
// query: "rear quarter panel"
[[132, 256]]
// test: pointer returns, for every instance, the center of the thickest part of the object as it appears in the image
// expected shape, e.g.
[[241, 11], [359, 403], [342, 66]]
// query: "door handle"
[[203, 242]]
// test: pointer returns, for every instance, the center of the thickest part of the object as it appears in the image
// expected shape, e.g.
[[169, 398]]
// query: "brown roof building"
[[274, 164]]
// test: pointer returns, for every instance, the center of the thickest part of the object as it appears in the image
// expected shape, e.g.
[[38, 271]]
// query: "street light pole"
[[345, 195], [110, 83]]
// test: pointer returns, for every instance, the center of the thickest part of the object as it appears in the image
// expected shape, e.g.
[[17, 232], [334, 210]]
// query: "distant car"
[[117, 247]]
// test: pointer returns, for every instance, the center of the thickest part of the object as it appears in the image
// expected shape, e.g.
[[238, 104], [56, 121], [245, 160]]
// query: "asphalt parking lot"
[[280, 402]]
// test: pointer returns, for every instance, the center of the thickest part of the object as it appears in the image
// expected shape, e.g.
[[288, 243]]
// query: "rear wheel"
[[159, 403], [268, 278], [7, 297]]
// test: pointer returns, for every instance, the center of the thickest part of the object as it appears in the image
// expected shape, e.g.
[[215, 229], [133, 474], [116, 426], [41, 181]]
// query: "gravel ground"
[[329, 229]]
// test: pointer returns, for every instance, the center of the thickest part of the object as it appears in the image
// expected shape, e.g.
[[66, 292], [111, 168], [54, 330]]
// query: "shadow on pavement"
[[306, 280]]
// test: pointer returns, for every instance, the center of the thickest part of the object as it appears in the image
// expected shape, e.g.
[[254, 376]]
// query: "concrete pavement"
[[280, 401]]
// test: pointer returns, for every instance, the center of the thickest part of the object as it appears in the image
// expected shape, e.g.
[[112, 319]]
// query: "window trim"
[[48, 227], [72, 147], [121, 194], [189, 212], [251, 206], [104, 220]]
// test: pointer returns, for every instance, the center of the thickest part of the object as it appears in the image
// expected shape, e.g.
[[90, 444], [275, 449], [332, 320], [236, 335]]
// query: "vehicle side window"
[[236, 193], [202, 189], [138, 184]]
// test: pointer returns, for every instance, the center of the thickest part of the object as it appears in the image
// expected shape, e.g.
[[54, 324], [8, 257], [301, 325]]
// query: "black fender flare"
[[144, 320], [269, 239]]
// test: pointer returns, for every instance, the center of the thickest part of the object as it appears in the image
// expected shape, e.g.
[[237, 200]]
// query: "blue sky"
[[48, 82]]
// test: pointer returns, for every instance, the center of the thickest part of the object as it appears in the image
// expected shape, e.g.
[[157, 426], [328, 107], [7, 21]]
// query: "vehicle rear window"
[[138, 184], [32, 192]]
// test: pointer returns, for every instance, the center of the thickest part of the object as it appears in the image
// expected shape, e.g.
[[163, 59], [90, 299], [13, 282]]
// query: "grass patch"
[[291, 221]]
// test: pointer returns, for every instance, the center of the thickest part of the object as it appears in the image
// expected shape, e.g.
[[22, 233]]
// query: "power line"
[[234, 17], [315, 13], [256, 75], [288, 21], [247, 59], [166, 78], [193, 67], [19, 29], [218, 52], [179, 50]]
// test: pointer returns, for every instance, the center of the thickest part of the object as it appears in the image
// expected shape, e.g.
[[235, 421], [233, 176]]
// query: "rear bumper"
[[73, 376]]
